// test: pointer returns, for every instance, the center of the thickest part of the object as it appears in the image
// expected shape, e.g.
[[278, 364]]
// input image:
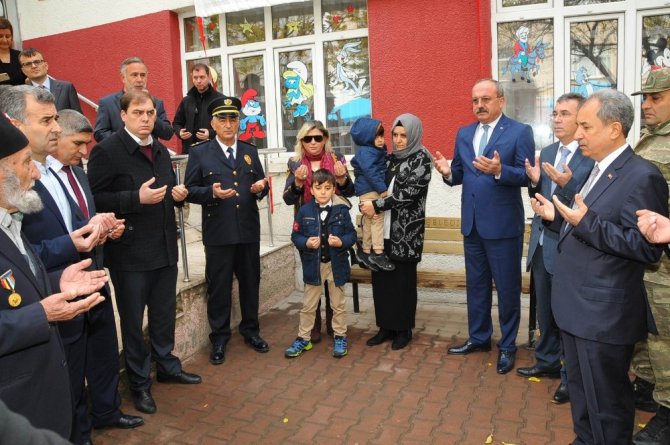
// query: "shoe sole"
[[549, 375], [470, 351], [340, 355], [306, 348], [217, 362]]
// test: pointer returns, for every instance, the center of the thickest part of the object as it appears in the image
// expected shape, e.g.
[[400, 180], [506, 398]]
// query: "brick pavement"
[[416, 396]]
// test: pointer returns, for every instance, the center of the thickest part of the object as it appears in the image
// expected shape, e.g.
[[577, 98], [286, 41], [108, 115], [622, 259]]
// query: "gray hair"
[[128, 61], [614, 107], [571, 96], [499, 88], [13, 100], [73, 122]]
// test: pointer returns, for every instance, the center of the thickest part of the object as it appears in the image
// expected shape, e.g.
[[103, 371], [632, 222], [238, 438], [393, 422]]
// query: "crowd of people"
[[597, 253]]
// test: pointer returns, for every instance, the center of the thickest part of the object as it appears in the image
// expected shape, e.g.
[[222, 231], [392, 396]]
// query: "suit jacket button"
[[236, 184], [238, 206], [237, 194], [234, 173]]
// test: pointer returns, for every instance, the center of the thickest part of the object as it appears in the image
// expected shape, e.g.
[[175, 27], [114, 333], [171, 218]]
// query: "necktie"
[[484, 140], [231, 156], [148, 151], [588, 184], [77, 191], [564, 157]]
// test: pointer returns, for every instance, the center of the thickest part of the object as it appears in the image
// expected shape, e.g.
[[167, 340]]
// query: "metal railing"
[[88, 101]]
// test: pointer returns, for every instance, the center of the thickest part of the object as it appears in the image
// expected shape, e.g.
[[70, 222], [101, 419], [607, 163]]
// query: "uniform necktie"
[[231, 156], [484, 140], [561, 162], [77, 192]]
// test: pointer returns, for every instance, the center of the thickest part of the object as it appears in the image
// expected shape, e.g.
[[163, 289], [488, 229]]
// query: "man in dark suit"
[[134, 74], [32, 363], [131, 175], [226, 177], [598, 295], [36, 69], [564, 168], [489, 161], [91, 342]]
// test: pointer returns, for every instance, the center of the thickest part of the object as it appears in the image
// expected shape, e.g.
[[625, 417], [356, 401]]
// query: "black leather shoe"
[[657, 430], [534, 371], [505, 361], [401, 339], [644, 395], [143, 401], [467, 348], [218, 355], [380, 337], [125, 422], [257, 343], [561, 395], [185, 378]]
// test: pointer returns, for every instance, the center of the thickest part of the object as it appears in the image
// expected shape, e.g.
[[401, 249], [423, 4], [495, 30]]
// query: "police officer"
[[651, 362], [225, 176]]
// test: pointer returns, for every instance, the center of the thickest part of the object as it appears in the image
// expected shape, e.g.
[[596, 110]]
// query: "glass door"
[[247, 78]]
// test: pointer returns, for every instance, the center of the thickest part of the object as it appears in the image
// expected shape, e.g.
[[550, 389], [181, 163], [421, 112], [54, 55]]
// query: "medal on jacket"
[[247, 159], [8, 282]]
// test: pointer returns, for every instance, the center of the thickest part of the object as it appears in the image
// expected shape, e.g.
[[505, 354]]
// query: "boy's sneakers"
[[381, 261], [364, 260], [339, 346], [299, 346]]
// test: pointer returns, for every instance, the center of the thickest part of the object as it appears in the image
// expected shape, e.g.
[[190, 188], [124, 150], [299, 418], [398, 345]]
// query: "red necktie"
[[77, 192], [148, 151]]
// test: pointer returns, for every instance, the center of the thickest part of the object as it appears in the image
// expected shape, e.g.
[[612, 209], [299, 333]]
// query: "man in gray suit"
[[36, 68], [559, 170]]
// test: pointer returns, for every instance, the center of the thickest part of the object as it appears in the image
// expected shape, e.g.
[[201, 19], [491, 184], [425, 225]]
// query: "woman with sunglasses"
[[313, 152], [408, 175], [10, 68]]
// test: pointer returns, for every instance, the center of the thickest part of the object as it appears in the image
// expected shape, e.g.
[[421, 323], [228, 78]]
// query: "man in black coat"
[[131, 175], [226, 178], [34, 378], [192, 121], [36, 69]]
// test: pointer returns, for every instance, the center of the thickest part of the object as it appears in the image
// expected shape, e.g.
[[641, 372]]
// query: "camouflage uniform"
[[651, 361]]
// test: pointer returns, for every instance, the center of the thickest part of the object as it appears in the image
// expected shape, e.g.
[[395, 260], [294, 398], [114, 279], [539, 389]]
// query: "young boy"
[[323, 233], [370, 171]]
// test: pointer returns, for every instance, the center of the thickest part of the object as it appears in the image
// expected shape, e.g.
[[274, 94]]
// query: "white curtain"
[[206, 8]]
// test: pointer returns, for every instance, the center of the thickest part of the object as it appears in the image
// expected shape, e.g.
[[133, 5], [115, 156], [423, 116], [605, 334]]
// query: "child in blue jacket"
[[323, 233], [370, 171]]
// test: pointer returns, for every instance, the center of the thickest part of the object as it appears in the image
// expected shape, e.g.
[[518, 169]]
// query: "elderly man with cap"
[[651, 362], [34, 371], [225, 176], [131, 174]]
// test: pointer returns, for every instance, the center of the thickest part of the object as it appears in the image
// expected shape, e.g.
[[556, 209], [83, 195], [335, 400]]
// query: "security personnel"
[[226, 178], [651, 362]]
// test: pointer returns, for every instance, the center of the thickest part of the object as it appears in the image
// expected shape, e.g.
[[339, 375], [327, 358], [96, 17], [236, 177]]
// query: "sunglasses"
[[308, 139]]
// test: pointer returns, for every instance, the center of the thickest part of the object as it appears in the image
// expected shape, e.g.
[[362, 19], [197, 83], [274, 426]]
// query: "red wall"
[[90, 58], [425, 55]]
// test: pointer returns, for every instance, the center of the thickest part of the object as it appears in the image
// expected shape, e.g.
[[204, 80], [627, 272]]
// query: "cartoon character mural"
[[656, 60], [252, 125], [526, 59], [298, 91], [344, 75], [586, 86]]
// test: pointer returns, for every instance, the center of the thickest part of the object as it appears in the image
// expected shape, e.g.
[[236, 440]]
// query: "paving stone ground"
[[374, 395]]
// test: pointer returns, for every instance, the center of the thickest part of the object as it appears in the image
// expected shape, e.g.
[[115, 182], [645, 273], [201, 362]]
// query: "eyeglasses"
[[32, 63], [308, 139]]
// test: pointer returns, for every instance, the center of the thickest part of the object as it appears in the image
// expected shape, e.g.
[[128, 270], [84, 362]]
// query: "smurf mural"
[[253, 122], [298, 91]]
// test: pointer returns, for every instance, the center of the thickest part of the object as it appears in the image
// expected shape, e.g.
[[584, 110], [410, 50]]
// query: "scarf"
[[414, 130], [327, 162]]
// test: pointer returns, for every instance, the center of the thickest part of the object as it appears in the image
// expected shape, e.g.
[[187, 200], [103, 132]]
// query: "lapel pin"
[[609, 176]]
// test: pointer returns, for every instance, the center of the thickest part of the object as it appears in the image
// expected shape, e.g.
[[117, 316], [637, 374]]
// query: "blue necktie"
[[231, 156], [564, 157], [484, 140]]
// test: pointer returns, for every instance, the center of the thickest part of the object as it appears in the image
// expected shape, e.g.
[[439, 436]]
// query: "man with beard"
[[34, 371]]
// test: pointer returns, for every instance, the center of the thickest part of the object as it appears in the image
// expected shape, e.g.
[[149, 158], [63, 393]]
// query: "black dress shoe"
[[185, 378], [657, 430], [401, 339], [561, 395], [467, 348], [257, 343], [218, 355], [380, 337], [534, 371], [125, 422], [505, 361], [143, 401]]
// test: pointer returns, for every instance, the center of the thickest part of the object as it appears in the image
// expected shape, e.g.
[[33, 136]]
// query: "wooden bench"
[[443, 236]]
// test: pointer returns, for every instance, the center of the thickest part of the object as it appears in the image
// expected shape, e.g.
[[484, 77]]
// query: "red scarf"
[[327, 162]]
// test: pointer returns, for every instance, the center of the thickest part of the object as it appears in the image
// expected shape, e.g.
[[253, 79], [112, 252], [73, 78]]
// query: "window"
[[288, 64]]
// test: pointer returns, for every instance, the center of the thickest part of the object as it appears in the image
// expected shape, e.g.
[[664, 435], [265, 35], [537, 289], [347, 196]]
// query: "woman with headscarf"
[[408, 176], [313, 151]]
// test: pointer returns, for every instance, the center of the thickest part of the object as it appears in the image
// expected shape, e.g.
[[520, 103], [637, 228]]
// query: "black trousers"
[[155, 290], [244, 261], [75, 353], [601, 394]]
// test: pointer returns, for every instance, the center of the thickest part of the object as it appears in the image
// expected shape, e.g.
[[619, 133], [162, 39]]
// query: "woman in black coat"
[[408, 176]]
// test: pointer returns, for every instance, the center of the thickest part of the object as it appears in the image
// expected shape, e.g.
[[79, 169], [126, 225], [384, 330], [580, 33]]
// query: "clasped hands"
[[300, 174], [99, 228], [314, 242]]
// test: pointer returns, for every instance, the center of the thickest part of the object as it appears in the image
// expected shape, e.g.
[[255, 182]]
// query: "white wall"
[[40, 18]]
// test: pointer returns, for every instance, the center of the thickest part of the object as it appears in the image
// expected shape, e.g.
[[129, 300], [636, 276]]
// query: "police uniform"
[[230, 228], [651, 361]]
